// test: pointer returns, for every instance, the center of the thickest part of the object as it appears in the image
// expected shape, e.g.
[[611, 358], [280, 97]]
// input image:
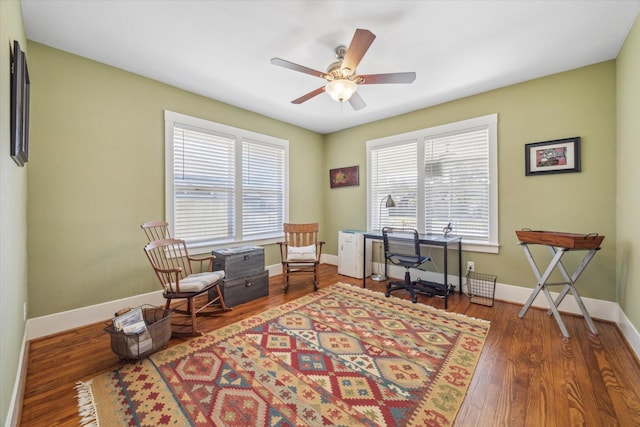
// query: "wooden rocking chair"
[[300, 252], [173, 267]]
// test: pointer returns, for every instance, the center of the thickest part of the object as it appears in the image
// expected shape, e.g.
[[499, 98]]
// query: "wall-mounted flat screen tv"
[[19, 106]]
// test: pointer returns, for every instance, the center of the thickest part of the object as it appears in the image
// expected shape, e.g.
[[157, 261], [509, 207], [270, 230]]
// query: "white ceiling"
[[221, 49]]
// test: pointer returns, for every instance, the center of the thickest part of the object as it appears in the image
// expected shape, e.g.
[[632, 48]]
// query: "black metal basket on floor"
[[481, 288], [136, 346]]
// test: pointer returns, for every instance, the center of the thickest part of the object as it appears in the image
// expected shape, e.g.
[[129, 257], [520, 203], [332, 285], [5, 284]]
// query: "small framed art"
[[343, 177], [557, 156]]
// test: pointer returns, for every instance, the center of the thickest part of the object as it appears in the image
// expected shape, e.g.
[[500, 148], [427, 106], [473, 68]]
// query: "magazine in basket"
[[132, 323]]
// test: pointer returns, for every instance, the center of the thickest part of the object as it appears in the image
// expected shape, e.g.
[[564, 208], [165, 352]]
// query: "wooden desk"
[[428, 240], [559, 244]]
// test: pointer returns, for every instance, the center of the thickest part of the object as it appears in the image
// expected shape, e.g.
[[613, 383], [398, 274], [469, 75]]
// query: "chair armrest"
[[164, 274], [283, 251], [201, 259], [169, 270], [319, 249]]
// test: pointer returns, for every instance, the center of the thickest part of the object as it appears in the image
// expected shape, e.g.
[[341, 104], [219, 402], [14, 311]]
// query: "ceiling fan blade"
[[372, 79], [360, 43], [357, 102], [308, 96], [295, 67]]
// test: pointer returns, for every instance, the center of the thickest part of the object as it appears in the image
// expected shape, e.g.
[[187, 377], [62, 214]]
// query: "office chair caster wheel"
[[387, 294], [414, 299]]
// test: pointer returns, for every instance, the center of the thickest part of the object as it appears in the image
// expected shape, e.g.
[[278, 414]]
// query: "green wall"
[[13, 218], [628, 172], [581, 103], [97, 172]]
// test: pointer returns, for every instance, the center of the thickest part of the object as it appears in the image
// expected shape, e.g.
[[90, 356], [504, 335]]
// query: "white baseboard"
[[629, 332], [274, 269], [598, 309], [329, 259], [13, 410], [53, 323]]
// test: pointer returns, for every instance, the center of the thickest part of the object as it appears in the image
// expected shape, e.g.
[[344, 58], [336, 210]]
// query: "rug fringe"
[[86, 405]]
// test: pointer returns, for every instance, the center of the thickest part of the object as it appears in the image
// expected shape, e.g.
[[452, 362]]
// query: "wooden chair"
[[156, 230], [300, 252], [173, 267]]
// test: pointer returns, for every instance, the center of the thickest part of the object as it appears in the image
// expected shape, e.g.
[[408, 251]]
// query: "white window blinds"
[[204, 184], [436, 176], [396, 175], [224, 185], [457, 184], [263, 187]]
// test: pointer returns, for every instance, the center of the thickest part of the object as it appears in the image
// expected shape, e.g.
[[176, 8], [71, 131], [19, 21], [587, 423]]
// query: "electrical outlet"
[[24, 309], [471, 266]]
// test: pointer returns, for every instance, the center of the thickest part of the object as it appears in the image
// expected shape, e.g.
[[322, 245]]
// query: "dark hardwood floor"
[[528, 375]]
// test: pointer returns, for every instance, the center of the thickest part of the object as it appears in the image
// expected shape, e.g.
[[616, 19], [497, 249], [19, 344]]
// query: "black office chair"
[[402, 247]]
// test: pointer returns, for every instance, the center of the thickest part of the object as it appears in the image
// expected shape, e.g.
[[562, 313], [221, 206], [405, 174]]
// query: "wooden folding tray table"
[[559, 243]]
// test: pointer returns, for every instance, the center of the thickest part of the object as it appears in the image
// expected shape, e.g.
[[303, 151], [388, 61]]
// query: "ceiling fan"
[[342, 80]]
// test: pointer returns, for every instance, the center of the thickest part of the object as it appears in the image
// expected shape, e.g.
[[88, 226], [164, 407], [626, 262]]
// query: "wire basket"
[[139, 345], [481, 288]]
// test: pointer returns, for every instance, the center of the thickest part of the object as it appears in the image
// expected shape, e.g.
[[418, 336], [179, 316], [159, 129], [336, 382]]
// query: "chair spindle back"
[[156, 230], [168, 254], [301, 234]]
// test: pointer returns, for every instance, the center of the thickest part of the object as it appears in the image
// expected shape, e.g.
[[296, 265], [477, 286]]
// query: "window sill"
[[489, 248]]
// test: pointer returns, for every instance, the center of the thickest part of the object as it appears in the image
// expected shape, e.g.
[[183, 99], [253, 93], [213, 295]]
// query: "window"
[[436, 176], [224, 185]]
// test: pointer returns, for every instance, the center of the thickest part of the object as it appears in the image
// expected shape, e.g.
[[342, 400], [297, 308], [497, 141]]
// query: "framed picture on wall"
[[557, 156], [343, 177]]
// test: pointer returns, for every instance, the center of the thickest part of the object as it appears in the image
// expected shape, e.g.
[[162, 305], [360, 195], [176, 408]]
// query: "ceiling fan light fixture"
[[341, 78], [341, 89]]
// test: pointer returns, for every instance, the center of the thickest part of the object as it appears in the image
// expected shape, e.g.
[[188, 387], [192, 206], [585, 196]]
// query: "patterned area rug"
[[342, 356]]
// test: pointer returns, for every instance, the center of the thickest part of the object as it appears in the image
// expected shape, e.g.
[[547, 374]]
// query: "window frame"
[[489, 122], [240, 136]]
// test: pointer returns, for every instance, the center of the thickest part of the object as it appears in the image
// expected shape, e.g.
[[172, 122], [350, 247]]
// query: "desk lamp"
[[389, 204]]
